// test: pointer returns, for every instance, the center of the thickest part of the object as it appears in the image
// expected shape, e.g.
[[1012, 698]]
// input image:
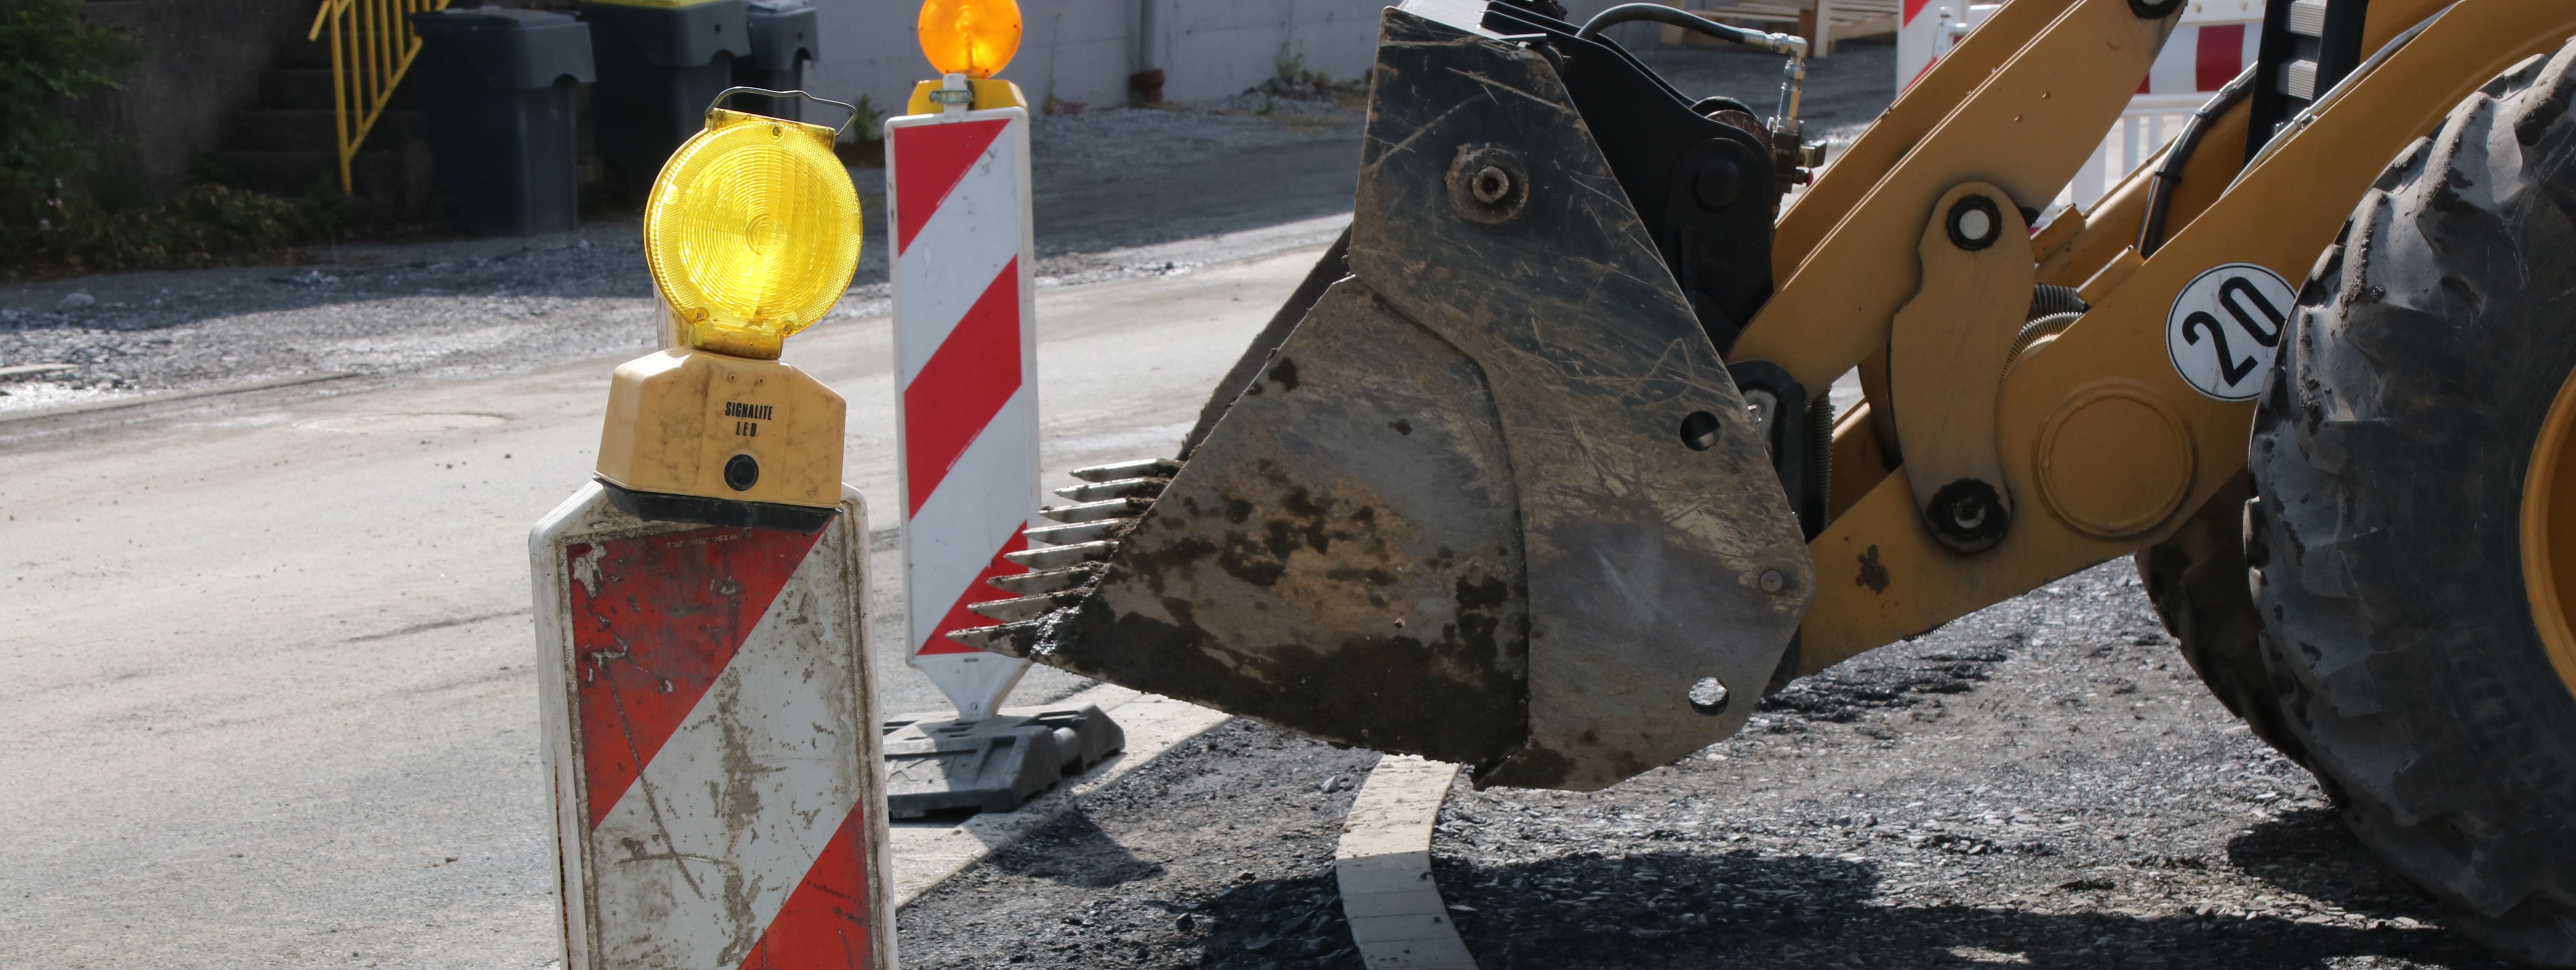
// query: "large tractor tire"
[[2196, 579], [2408, 579]]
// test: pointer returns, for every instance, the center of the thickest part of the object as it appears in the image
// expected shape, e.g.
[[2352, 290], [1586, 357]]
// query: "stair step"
[[307, 88], [282, 130], [303, 53], [291, 174], [300, 130]]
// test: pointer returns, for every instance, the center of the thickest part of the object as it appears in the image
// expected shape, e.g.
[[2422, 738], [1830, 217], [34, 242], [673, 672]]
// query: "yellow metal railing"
[[372, 44]]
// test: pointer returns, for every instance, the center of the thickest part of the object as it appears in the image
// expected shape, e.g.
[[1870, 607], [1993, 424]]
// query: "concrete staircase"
[[287, 143]]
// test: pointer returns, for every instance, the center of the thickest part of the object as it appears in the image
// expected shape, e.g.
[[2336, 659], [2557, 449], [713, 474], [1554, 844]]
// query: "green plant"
[[868, 123], [324, 208], [47, 57], [50, 222], [204, 225]]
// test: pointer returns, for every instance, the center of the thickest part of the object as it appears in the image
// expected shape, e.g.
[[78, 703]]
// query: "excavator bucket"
[[1492, 499]]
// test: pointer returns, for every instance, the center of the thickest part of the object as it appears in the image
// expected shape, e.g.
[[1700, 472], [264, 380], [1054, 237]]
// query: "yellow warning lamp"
[[968, 41], [751, 234]]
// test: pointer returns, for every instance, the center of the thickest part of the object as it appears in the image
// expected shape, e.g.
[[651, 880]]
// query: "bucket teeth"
[[1008, 639], [1025, 607], [1053, 580], [1115, 488], [1147, 468], [1059, 557], [1116, 508], [1058, 535]]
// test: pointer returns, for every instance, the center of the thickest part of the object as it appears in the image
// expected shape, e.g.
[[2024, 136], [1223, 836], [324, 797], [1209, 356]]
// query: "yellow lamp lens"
[[970, 37], [751, 232]]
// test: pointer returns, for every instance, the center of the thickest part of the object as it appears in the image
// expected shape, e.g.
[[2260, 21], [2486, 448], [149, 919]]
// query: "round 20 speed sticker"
[[2226, 327]]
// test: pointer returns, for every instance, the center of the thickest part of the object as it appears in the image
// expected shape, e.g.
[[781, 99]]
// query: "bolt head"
[[1772, 581]]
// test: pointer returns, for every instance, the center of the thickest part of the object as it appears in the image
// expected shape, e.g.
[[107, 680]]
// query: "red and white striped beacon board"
[[965, 345], [713, 745]]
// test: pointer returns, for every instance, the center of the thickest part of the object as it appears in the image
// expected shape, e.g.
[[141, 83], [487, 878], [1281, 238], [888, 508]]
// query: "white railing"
[[2152, 122]]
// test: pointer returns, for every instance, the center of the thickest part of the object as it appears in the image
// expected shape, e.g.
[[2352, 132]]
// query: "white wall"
[[1216, 48], [1083, 50]]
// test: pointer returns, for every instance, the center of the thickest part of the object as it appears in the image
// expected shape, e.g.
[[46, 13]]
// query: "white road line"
[[926, 855], [1384, 866]]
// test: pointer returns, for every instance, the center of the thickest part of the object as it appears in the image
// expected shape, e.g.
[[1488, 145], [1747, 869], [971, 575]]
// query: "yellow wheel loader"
[[1538, 473]]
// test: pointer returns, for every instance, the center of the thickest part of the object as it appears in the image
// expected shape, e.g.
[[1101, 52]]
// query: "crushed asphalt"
[[2043, 783], [1121, 193]]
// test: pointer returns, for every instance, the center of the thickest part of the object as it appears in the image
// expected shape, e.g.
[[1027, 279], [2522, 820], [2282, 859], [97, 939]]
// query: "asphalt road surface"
[[272, 700]]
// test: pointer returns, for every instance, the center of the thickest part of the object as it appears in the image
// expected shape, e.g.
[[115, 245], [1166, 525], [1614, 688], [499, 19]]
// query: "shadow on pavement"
[[1675, 910]]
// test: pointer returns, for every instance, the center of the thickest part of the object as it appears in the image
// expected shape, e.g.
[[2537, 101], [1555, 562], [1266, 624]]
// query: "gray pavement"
[[273, 702]]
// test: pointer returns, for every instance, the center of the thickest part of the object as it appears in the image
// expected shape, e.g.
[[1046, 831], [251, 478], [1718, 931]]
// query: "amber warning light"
[[971, 37]]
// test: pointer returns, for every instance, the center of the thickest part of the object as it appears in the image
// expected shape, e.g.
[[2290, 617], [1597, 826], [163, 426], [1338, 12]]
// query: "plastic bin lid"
[[673, 34], [512, 49], [782, 32]]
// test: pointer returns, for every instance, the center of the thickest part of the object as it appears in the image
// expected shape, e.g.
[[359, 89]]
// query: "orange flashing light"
[[971, 37]]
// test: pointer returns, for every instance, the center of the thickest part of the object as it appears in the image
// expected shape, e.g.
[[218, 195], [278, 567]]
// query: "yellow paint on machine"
[[2097, 422]]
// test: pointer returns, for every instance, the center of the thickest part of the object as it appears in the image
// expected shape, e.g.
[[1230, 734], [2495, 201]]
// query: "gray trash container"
[[783, 38], [659, 69], [501, 87]]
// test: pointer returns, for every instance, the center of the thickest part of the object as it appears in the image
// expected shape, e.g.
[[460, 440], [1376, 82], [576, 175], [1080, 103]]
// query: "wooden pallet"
[[1840, 19]]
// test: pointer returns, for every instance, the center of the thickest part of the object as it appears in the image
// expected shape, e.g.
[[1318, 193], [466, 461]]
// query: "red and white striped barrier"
[[712, 741], [965, 344]]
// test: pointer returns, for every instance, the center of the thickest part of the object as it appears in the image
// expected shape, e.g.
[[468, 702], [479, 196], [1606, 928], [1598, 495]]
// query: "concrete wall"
[[1082, 51], [199, 61], [1213, 50]]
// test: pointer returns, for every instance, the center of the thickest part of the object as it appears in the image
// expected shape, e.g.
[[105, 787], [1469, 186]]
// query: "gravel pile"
[[1218, 854], [375, 312], [1107, 183], [2044, 782]]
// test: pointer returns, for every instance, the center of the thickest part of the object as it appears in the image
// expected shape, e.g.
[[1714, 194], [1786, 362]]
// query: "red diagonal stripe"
[[961, 618], [826, 920], [929, 161], [654, 624], [1913, 9], [2221, 56], [972, 374]]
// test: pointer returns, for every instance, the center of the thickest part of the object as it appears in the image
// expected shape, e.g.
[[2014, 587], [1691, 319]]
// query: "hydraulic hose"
[[1676, 17], [1793, 77], [2160, 188]]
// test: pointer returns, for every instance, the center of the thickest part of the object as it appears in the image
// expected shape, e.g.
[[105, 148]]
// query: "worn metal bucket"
[[1492, 500]]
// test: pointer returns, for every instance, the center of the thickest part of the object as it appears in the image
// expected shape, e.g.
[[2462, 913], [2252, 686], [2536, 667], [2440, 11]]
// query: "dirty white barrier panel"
[[1383, 864], [966, 407], [712, 742]]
